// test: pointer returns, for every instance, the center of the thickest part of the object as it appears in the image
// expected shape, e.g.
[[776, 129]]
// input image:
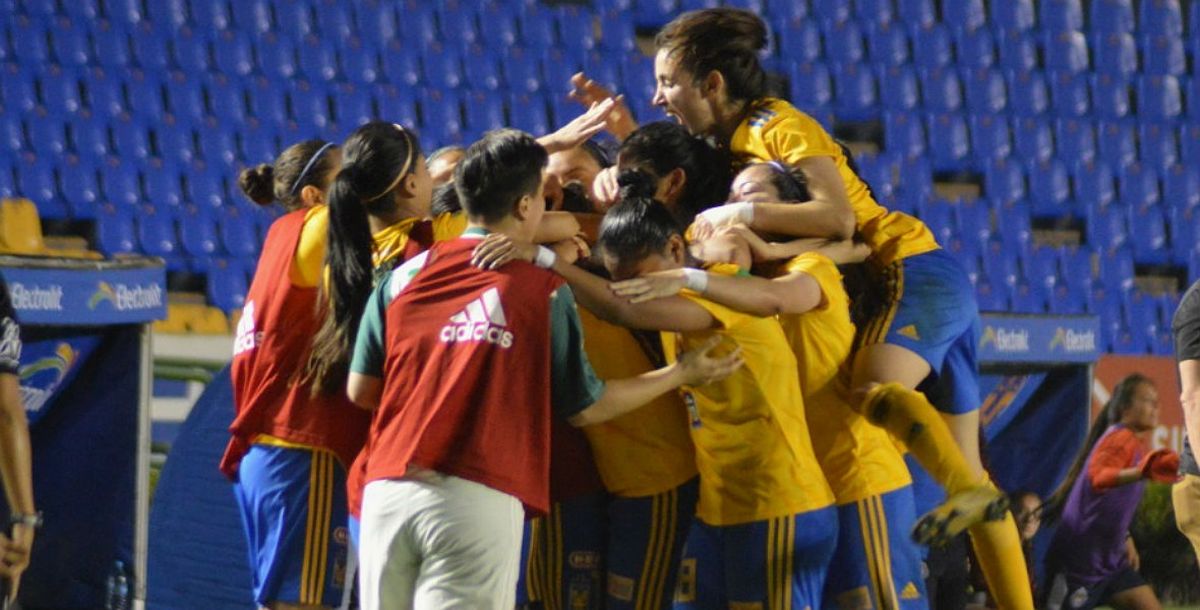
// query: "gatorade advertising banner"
[[47, 367]]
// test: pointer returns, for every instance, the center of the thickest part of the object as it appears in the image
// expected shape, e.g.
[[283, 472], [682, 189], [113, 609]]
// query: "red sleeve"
[[1112, 454]]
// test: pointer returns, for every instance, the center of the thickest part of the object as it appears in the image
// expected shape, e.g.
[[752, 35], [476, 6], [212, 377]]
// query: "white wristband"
[[745, 212], [730, 213], [695, 280], [545, 257]]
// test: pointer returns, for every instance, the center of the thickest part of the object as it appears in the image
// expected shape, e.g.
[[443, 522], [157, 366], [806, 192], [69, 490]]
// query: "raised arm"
[[793, 293], [675, 313]]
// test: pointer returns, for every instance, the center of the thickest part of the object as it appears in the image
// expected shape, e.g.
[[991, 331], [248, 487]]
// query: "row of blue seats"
[[228, 232]]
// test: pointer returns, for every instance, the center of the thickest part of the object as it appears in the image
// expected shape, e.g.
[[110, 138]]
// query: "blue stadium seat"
[[334, 20], [1074, 139], [941, 90], [938, 215], [276, 56], [1027, 92], [1065, 51], [238, 233], [400, 65], [175, 142], [1016, 227], [259, 144], [89, 137], [232, 54], [935, 49], [318, 59], [811, 85], [1106, 229], [985, 91], [35, 181], [855, 94], [352, 105], [80, 189], [1003, 180], [204, 188], [150, 49], [898, 88], [226, 99], [964, 14], [146, 96], [47, 134], [990, 137], [887, 44], [360, 62], [1110, 96], [915, 184], [879, 172], [1069, 94], [1189, 143], [131, 137], [400, 103], [800, 41], [917, 13], [1049, 187], [485, 111], [17, 90], [904, 133], [637, 76], [60, 91], [1116, 269], [1018, 50], [843, 41], [268, 101], [1157, 145], [1012, 15], [1181, 186], [1118, 145], [120, 183], [1182, 224], [989, 298], [1041, 266], [111, 45], [1093, 183], [1129, 341], [975, 48], [1028, 297], [875, 12], [528, 112], [974, 221], [538, 29], [1000, 265], [33, 49], [190, 52], [1161, 16], [1159, 98], [575, 28], [114, 230], [834, 11], [1148, 235], [522, 71], [225, 285], [481, 70], [12, 133], [949, 142], [255, 15], [1163, 55], [164, 191], [185, 98], [1060, 15], [310, 104], [1138, 184], [70, 43], [200, 237], [1116, 54], [442, 112], [1076, 264], [1109, 16], [1141, 311], [617, 33], [214, 15]]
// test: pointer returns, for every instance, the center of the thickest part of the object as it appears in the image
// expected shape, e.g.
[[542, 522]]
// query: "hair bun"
[[258, 183], [636, 184]]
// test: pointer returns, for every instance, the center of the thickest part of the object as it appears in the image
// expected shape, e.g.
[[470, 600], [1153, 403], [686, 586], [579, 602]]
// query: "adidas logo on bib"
[[482, 320]]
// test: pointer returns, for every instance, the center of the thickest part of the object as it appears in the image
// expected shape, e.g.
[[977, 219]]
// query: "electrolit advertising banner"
[[47, 367], [1044, 339], [87, 297]]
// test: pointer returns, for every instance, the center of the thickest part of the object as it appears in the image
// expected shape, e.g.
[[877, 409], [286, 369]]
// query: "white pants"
[[434, 541]]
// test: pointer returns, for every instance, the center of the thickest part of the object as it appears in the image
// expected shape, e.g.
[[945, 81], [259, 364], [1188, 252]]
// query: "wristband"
[[33, 520], [695, 280], [745, 212], [545, 257]]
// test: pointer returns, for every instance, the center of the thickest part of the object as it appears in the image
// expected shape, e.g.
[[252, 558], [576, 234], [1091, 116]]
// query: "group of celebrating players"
[[687, 376]]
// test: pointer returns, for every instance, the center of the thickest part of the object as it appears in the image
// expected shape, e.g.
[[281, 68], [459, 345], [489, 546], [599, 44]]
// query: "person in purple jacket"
[[1092, 558]]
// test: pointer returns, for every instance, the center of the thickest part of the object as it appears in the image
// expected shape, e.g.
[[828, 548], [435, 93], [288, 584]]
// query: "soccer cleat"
[[959, 512]]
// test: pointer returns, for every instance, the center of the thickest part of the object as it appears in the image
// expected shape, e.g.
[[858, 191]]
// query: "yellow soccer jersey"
[[390, 241], [775, 130], [647, 451], [753, 450], [858, 458], [310, 253]]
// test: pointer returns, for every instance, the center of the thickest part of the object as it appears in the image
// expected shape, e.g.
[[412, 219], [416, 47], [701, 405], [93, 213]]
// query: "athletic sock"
[[998, 549]]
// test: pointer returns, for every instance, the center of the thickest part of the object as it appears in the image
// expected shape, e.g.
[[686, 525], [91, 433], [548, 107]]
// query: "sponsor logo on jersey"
[[910, 591], [246, 338], [35, 297], [909, 331], [124, 297], [482, 320]]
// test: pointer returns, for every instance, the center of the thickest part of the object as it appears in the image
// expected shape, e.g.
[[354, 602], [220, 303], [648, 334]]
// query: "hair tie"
[[404, 169], [311, 163]]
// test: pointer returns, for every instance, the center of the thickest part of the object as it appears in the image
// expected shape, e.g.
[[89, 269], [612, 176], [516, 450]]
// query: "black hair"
[[726, 40], [1120, 402], [638, 226], [307, 163], [445, 200], [498, 170], [376, 157], [597, 152], [790, 182], [575, 200], [660, 147]]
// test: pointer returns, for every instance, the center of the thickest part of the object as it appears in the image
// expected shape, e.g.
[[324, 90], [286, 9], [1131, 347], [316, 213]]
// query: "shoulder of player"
[[778, 114]]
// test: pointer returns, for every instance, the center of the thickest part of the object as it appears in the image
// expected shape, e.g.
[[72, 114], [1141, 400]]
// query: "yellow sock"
[[909, 417], [998, 549]]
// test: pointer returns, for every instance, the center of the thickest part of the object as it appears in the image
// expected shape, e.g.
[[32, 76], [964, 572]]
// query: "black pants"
[[949, 575]]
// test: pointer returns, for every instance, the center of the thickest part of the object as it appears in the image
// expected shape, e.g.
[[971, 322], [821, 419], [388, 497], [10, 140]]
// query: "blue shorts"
[[563, 555], [777, 563], [875, 559], [293, 505], [645, 544], [930, 309]]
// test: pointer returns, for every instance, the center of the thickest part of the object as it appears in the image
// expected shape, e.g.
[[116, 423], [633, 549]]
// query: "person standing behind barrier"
[[291, 443], [1092, 559], [1186, 493], [15, 458]]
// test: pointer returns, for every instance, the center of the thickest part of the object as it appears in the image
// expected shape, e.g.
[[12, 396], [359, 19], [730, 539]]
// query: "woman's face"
[[1027, 517], [1142, 414], [575, 165], [422, 184], [679, 95], [754, 184]]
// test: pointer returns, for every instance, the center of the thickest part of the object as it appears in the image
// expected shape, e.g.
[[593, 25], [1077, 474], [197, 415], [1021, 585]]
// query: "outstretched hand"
[[657, 285], [700, 367], [581, 127], [498, 249], [1161, 466], [586, 91]]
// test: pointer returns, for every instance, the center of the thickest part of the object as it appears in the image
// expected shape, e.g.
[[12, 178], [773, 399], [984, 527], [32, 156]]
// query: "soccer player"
[[15, 470], [290, 442], [766, 526], [1089, 562], [1186, 493], [875, 563], [463, 366], [441, 163]]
